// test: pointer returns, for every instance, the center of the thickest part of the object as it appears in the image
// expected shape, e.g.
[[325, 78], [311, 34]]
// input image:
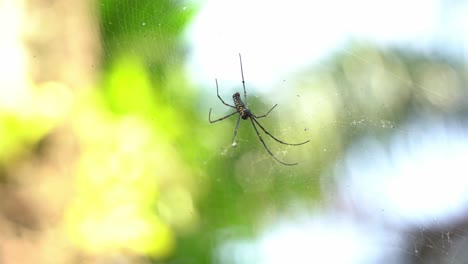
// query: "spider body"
[[240, 107], [245, 113]]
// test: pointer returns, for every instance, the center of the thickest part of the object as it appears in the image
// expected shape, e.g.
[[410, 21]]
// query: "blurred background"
[[107, 155]]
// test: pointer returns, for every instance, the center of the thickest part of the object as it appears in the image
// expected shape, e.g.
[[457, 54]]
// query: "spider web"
[[373, 104], [132, 171], [365, 101]]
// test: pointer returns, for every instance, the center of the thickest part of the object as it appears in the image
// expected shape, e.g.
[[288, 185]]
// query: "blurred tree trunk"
[[50, 49]]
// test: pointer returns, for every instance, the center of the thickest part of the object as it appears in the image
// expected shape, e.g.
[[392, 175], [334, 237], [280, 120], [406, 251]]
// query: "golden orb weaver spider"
[[245, 113]]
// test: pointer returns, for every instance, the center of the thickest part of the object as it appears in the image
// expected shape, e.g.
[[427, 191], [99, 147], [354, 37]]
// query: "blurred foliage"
[[134, 180], [120, 168], [149, 30], [154, 178]]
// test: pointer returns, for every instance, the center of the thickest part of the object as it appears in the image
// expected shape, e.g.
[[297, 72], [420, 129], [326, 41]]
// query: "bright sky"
[[280, 37], [420, 178]]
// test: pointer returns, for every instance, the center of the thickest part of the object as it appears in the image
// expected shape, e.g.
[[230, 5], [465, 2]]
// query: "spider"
[[245, 113]]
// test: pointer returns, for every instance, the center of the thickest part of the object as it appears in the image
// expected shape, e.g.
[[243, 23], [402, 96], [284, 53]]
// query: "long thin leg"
[[235, 132], [243, 82], [217, 93], [266, 132], [263, 142], [266, 113], [219, 119]]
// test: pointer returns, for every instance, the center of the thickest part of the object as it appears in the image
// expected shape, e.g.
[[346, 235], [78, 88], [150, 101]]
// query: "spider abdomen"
[[240, 106]]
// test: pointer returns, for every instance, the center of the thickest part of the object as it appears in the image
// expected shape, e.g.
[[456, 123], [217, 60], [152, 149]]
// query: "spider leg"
[[219, 119], [235, 131], [217, 93], [243, 82], [266, 132], [266, 113], [263, 142]]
